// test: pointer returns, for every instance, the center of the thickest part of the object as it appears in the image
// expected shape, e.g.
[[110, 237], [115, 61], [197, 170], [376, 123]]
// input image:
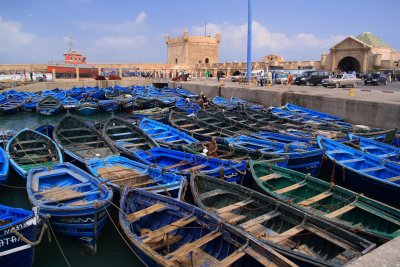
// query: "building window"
[[206, 61], [199, 61], [176, 61]]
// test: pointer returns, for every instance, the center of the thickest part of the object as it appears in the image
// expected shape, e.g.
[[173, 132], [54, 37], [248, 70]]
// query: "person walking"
[[290, 79], [258, 78], [218, 75], [31, 75], [269, 79]]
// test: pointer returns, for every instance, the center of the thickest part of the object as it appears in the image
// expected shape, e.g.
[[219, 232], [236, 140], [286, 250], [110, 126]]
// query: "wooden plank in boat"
[[340, 211], [321, 233], [141, 213], [235, 206], [314, 199], [194, 168], [259, 220], [75, 129], [232, 258], [138, 144], [66, 197], [393, 179], [289, 188], [185, 249], [286, 235], [210, 133], [186, 125], [231, 217], [261, 258], [197, 258], [271, 176], [180, 163], [377, 168], [197, 130], [168, 228], [146, 183], [212, 193]]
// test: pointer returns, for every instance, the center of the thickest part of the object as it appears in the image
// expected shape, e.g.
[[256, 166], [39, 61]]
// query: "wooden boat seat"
[[196, 130], [70, 195], [138, 144], [271, 176], [149, 210], [32, 141], [148, 182], [340, 211], [75, 129], [393, 179], [290, 188], [186, 125], [260, 219], [194, 168], [235, 206], [286, 235], [377, 168], [92, 143], [198, 258], [130, 139], [81, 137], [179, 164], [351, 160], [212, 193], [175, 141], [231, 217], [309, 201], [163, 138], [25, 150], [228, 261], [55, 189], [210, 133], [189, 247], [336, 151], [369, 147], [168, 228]]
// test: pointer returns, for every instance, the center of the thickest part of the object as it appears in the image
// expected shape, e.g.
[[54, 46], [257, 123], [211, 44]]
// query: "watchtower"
[[187, 51]]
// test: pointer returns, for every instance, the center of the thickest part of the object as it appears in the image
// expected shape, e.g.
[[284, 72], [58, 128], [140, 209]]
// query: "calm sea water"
[[111, 249]]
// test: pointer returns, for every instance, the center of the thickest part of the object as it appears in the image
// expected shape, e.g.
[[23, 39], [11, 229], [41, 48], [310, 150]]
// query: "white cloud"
[[120, 42], [234, 41], [12, 37], [140, 19]]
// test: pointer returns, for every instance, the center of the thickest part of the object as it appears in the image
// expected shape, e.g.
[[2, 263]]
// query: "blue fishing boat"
[[311, 113], [46, 129], [165, 232], [189, 107], [285, 138], [4, 166], [186, 93], [81, 141], [126, 136], [12, 104], [301, 157], [2, 98], [187, 163], [31, 103], [75, 92], [14, 252], [94, 93], [379, 149], [223, 103], [70, 104], [30, 149], [119, 172], [75, 200], [87, 107], [166, 135], [109, 106], [48, 105], [362, 172], [247, 104]]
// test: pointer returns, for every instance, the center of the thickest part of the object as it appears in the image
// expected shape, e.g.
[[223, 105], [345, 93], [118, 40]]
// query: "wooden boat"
[[165, 232], [156, 113], [48, 105], [379, 149], [11, 105], [14, 252], [29, 149], [70, 104], [109, 106], [217, 120], [4, 166], [165, 135], [385, 136], [223, 102], [247, 104], [300, 158], [46, 129], [81, 141], [75, 201], [188, 107], [285, 138], [312, 113], [126, 136], [197, 129], [186, 93], [87, 107], [301, 237], [359, 214], [119, 172], [362, 172], [186, 163], [94, 93], [31, 104]]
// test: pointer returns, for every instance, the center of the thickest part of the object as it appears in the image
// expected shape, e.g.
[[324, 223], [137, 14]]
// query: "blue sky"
[[123, 31]]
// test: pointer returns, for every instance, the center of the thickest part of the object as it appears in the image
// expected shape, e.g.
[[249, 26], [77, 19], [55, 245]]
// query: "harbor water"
[[111, 249]]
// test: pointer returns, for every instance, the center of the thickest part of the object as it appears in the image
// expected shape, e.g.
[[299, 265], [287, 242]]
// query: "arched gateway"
[[349, 64]]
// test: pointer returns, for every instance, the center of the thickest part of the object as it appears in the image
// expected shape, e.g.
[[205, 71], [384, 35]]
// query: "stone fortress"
[[197, 54]]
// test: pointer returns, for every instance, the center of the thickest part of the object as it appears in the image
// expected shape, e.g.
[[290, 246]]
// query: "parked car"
[[313, 77], [342, 80], [236, 78], [282, 80], [376, 79]]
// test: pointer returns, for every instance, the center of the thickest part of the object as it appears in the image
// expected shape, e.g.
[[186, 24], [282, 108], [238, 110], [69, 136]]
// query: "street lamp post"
[[249, 41]]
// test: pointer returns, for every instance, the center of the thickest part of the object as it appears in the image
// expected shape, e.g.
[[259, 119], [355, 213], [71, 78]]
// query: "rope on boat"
[[58, 244], [15, 187], [26, 240]]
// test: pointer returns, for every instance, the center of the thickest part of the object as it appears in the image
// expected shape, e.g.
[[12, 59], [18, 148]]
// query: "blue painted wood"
[[13, 251], [87, 107], [202, 223], [189, 107], [185, 163], [30, 149], [77, 203], [312, 113], [48, 105], [70, 104], [304, 158], [4, 166], [362, 172], [166, 183]]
